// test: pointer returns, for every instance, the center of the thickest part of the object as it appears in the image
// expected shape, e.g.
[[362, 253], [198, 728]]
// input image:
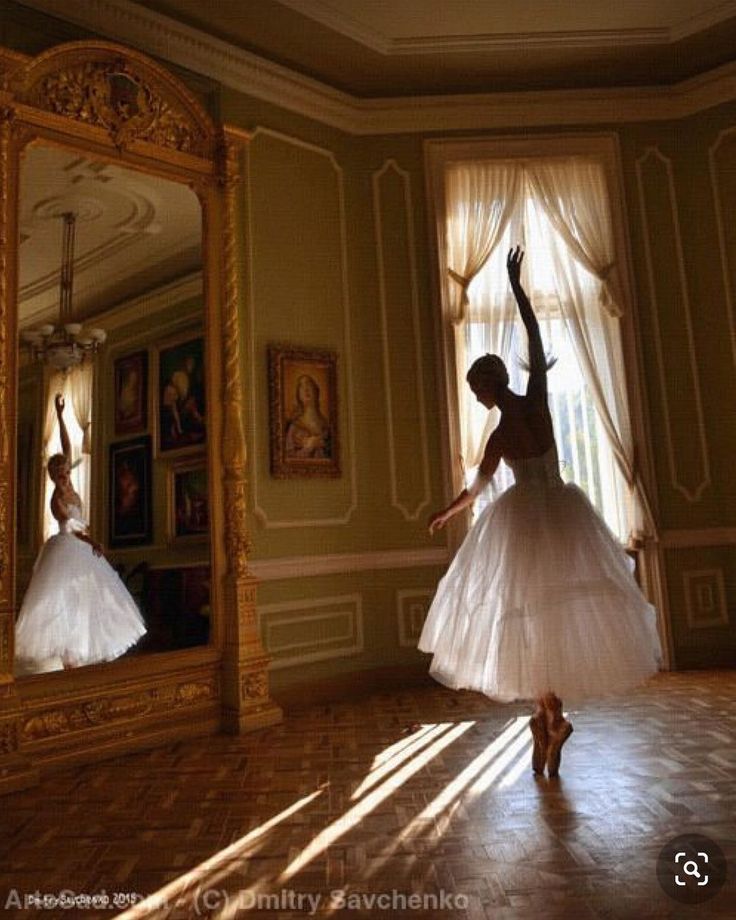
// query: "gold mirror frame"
[[68, 96]]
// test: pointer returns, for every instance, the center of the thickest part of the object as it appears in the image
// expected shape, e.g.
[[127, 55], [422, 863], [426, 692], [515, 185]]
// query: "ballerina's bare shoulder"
[[525, 429]]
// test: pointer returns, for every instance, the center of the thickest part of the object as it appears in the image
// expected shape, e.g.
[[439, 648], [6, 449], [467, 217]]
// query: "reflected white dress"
[[541, 596], [76, 606]]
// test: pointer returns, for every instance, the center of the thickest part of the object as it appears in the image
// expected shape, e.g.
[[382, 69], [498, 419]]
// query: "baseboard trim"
[[350, 686]]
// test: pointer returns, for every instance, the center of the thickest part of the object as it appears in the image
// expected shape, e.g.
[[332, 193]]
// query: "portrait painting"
[[130, 493], [189, 512], [182, 424], [303, 412], [131, 393]]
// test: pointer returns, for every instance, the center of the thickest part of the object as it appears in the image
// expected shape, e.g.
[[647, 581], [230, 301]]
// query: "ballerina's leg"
[[539, 730], [558, 731]]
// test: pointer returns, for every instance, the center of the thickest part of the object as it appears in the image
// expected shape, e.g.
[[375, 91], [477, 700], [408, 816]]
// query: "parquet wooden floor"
[[344, 798]]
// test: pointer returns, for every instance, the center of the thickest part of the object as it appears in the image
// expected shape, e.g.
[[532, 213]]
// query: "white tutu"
[[541, 596], [76, 606]]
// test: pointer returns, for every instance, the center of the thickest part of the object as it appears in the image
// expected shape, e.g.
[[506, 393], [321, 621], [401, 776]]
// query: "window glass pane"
[[584, 452]]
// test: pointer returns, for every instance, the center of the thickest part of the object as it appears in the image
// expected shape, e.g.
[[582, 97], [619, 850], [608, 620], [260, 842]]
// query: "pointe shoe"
[[558, 735], [538, 726]]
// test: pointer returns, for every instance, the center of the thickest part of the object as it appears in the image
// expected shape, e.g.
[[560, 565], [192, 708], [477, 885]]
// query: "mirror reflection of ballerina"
[[76, 610], [308, 431]]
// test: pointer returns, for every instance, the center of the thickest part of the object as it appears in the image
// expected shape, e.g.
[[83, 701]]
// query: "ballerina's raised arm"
[[538, 365]]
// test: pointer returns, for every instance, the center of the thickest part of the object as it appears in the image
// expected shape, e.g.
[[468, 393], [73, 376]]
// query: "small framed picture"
[[181, 398], [303, 412], [189, 509], [131, 393], [131, 522]]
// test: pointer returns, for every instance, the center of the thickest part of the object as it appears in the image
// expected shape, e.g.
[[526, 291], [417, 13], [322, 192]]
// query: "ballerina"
[[540, 601], [76, 608]]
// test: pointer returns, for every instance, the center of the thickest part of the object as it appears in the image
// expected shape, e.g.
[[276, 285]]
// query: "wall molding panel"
[[403, 297], [705, 536], [662, 237], [345, 358], [343, 563], [163, 37], [705, 598], [412, 605], [312, 629], [726, 238]]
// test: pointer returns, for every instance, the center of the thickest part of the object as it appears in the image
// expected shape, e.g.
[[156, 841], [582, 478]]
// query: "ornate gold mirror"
[[126, 604], [134, 412]]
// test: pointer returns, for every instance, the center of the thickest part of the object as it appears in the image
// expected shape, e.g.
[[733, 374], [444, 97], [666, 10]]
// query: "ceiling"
[[385, 48], [134, 232]]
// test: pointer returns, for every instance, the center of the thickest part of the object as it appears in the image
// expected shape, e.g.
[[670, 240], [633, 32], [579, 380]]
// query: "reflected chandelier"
[[69, 343]]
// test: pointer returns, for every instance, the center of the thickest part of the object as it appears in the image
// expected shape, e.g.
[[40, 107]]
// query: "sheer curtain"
[[80, 387], [484, 196], [77, 381], [561, 216], [575, 201]]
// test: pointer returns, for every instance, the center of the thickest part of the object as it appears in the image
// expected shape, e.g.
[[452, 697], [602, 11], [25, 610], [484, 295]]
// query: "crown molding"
[[185, 288], [333, 18], [163, 37]]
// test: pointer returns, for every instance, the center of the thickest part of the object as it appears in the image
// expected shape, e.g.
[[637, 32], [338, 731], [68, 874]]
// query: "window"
[[76, 389], [557, 209]]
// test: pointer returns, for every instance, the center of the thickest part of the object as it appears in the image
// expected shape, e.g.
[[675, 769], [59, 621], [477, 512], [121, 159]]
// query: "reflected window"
[[76, 389]]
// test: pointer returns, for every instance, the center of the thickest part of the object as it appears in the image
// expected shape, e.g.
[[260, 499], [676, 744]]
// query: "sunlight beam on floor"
[[393, 749], [454, 788], [499, 765], [201, 875], [443, 806], [366, 805], [388, 766], [522, 765]]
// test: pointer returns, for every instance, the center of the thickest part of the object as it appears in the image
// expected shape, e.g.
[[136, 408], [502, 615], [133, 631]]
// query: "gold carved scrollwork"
[[8, 738], [234, 456], [194, 691], [7, 624], [111, 95], [5, 132], [112, 709], [254, 686]]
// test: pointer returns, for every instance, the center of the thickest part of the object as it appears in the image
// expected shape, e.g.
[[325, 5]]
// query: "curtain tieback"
[[604, 294], [464, 300]]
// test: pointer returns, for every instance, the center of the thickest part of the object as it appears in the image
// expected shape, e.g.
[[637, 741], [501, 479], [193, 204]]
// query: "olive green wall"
[[336, 254], [680, 181]]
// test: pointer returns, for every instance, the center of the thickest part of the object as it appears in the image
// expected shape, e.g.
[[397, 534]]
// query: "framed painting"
[[131, 393], [181, 399], [303, 412], [189, 510], [131, 521]]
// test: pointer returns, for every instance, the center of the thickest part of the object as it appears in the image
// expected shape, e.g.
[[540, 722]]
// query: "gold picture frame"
[[180, 415], [188, 519], [303, 416]]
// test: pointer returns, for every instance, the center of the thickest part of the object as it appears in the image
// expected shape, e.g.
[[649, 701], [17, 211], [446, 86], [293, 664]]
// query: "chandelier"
[[68, 344]]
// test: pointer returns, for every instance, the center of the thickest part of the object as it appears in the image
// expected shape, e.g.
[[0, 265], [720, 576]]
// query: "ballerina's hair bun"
[[488, 369], [56, 463]]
